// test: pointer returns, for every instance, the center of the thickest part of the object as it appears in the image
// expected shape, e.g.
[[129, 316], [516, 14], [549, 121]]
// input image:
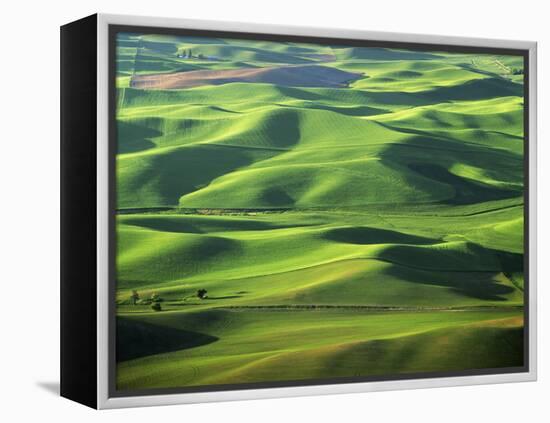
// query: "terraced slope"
[[350, 211]]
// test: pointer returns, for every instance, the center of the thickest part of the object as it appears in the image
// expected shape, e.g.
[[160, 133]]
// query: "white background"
[[29, 178]]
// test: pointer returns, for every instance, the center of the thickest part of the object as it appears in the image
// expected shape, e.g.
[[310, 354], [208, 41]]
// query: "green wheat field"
[[293, 212]]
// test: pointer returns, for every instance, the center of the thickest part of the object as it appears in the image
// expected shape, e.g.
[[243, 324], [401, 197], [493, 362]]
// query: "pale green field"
[[371, 229]]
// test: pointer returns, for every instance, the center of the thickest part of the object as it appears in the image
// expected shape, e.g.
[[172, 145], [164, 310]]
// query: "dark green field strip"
[[257, 173], [176, 307], [395, 210], [261, 345], [340, 283], [264, 241], [374, 308]]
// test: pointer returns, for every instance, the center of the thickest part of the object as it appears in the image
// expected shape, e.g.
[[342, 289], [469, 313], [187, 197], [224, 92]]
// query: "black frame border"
[[114, 29], [78, 211]]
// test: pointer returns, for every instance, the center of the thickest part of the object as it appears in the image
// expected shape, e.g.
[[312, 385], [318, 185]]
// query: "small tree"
[[134, 297], [156, 307], [517, 71], [201, 56], [201, 293]]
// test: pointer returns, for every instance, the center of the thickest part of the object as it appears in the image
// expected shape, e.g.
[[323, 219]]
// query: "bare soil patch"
[[293, 76]]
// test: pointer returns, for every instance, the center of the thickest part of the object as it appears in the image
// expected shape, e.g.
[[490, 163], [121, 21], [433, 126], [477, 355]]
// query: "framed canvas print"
[[254, 211]]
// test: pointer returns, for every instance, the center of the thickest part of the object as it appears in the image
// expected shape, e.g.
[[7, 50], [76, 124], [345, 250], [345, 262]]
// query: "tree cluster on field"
[[188, 54], [153, 300]]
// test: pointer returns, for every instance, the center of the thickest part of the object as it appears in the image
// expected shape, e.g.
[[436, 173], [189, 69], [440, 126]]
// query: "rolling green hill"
[[350, 211]]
